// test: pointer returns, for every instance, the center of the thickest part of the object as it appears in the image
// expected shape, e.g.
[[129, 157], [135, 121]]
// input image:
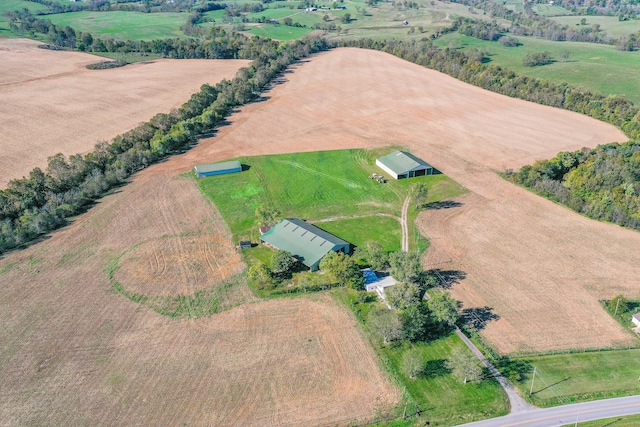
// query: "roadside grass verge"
[[436, 396], [578, 377], [124, 25], [628, 421], [595, 67]]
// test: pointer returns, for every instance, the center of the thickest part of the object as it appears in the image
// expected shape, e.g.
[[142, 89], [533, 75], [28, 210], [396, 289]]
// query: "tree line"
[[44, 200], [602, 183]]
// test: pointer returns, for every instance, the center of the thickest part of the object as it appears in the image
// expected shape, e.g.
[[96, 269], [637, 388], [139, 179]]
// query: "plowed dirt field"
[[538, 267], [76, 352], [51, 103]]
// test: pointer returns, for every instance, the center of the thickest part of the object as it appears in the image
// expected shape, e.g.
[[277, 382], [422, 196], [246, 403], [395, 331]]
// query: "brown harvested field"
[[540, 267], [51, 103], [75, 352]]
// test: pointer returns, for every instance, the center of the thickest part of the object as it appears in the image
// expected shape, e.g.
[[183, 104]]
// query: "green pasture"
[[10, 5], [275, 14], [628, 421], [124, 25], [315, 186], [595, 67], [609, 24], [441, 398], [359, 231], [444, 398], [278, 32], [385, 20], [548, 11], [569, 378]]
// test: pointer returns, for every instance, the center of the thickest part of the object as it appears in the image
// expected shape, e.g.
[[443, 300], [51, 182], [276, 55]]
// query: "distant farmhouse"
[[306, 242], [212, 169], [401, 164]]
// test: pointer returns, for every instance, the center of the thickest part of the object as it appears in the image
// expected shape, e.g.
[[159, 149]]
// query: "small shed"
[[401, 164], [212, 169], [636, 319], [245, 244]]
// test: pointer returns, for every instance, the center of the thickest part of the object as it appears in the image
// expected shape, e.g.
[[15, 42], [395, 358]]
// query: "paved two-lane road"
[[568, 414]]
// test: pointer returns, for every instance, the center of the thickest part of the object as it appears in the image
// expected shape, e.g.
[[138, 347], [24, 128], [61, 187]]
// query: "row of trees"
[[43, 201], [602, 183]]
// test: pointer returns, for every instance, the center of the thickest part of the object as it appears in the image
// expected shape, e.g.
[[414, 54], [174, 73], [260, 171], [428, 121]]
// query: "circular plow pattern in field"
[[177, 265]]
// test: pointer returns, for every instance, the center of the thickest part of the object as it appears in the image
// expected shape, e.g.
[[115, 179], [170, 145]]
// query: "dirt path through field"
[[52, 103]]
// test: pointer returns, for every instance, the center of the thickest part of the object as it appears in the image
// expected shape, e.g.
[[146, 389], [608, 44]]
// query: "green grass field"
[[313, 186], [358, 231], [628, 421], [278, 32], [608, 24], [124, 25], [568, 378], [548, 11], [443, 399], [9, 5], [595, 67]]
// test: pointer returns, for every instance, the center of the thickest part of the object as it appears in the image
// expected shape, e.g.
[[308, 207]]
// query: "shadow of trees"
[[435, 368], [444, 204], [476, 318], [447, 278]]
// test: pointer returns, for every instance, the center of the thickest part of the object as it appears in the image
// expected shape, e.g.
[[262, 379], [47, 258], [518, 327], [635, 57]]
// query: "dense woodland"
[[43, 201], [602, 183]]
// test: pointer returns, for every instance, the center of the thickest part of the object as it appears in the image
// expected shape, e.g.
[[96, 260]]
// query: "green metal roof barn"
[[212, 169], [306, 242], [401, 164]]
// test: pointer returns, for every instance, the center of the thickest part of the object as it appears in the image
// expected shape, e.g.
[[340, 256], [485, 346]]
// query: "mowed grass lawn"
[[568, 378], [313, 186], [445, 400], [124, 25], [359, 231], [441, 398], [628, 421], [595, 67]]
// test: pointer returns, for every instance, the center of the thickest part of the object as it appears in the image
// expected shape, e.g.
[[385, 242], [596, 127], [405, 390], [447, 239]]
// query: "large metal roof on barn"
[[305, 241], [221, 168], [402, 162]]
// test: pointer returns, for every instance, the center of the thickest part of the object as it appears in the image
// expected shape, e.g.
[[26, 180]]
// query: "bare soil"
[[51, 103], [538, 267], [75, 352]]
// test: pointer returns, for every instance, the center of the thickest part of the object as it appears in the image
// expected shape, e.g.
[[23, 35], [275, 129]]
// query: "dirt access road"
[[51, 103]]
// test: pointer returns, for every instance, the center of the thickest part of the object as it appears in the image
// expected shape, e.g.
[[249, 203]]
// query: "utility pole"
[[533, 379], [617, 304]]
